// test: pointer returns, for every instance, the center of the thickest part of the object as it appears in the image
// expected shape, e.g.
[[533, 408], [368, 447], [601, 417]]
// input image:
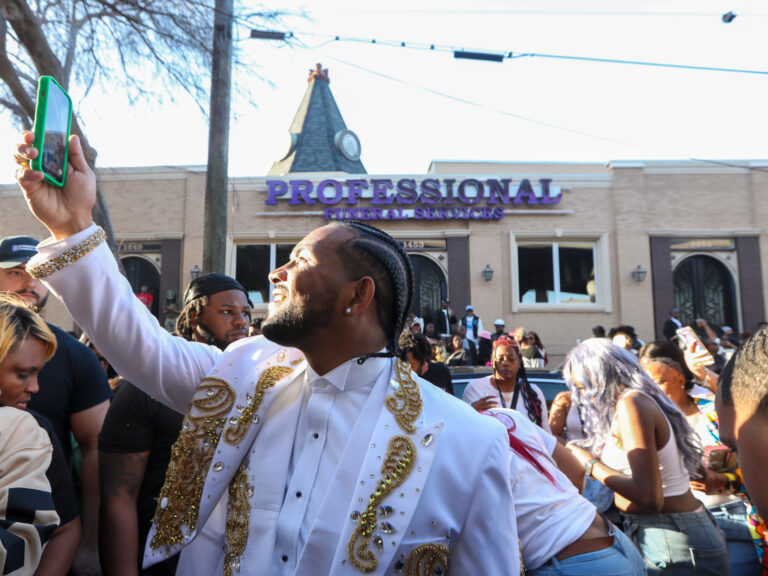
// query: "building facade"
[[556, 247]]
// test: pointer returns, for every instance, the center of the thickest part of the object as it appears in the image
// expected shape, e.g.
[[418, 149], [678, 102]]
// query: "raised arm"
[[82, 272]]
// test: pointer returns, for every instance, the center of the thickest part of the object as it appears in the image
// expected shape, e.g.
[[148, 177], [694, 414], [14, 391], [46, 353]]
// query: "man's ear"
[[363, 292]]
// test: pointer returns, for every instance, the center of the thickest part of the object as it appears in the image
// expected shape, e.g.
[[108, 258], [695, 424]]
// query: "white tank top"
[[573, 426], [674, 476]]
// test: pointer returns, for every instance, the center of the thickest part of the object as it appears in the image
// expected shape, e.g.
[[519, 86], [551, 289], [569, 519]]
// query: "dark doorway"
[[141, 272], [430, 287], [704, 288]]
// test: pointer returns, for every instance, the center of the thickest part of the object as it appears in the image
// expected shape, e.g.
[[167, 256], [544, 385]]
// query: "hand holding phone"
[[53, 122], [692, 344]]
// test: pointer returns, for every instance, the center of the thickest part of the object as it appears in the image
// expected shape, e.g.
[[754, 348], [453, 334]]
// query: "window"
[[254, 262], [556, 273]]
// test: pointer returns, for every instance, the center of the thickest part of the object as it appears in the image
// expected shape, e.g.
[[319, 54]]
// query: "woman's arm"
[[559, 414], [641, 491]]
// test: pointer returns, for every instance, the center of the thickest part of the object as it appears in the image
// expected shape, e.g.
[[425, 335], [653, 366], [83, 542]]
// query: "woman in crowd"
[[720, 489], [638, 443], [459, 355], [27, 510], [508, 387], [560, 532], [532, 357], [534, 339], [417, 351]]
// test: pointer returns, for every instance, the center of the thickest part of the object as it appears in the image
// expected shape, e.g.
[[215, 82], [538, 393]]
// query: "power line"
[[499, 56]]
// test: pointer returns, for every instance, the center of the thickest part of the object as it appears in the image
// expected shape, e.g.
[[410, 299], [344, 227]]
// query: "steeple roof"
[[320, 141]]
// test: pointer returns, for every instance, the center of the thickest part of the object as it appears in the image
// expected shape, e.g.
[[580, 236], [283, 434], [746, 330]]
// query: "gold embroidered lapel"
[[406, 405]]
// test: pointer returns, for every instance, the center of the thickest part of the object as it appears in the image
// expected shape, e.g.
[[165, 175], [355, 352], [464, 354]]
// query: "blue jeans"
[[621, 559], [685, 543], [742, 556]]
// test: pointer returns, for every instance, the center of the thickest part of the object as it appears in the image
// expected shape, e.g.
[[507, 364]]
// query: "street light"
[[638, 274], [488, 273], [195, 272]]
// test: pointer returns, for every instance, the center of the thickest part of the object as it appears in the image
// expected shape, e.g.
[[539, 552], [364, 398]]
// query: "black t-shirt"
[[59, 476], [531, 353], [135, 423], [438, 374], [70, 382]]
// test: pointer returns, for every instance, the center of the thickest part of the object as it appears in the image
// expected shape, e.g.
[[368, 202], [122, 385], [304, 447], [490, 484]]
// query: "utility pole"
[[217, 175]]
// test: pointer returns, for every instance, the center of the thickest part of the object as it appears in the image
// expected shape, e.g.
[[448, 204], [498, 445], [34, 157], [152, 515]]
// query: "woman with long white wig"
[[639, 444]]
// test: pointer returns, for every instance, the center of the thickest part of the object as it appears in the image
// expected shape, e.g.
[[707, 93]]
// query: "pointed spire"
[[320, 140]]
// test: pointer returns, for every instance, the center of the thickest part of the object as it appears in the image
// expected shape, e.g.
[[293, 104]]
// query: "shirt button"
[[285, 558], [320, 384], [315, 435], [298, 494]]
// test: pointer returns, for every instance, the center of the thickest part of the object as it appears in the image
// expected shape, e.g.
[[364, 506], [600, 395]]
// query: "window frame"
[[263, 306], [601, 259]]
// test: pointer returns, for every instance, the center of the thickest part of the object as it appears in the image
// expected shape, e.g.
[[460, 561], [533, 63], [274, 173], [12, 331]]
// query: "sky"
[[410, 105]]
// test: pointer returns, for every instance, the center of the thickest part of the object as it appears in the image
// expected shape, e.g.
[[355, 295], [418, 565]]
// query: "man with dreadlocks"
[[309, 450], [138, 432]]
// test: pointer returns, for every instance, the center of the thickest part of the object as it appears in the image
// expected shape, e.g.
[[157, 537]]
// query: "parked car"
[[550, 381]]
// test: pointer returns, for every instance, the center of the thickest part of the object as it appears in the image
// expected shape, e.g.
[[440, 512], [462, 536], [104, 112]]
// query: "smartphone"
[[691, 341], [53, 121], [719, 458]]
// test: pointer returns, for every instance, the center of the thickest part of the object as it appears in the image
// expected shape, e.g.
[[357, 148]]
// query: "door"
[[430, 286], [704, 288], [141, 272]]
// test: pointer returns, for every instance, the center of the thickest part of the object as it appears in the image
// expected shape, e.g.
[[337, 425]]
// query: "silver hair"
[[604, 372]]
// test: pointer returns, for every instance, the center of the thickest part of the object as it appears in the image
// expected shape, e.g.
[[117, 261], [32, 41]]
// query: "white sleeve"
[[101, 301], [471, 393], [488, 544]]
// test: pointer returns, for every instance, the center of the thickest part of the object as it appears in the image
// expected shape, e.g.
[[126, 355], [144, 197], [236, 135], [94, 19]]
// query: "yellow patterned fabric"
[[179, 501]]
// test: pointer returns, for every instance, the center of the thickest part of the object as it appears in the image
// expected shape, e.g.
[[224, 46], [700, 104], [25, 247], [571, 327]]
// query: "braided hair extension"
[[530, 398], [184, 325], [376, 254]]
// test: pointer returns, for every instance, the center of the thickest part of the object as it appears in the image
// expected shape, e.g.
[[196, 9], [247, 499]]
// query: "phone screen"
[[55, 136]]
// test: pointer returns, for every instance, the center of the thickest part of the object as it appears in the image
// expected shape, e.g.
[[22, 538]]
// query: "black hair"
[[256, 322], [376, 254], [530, 398], [184, 325], [665, 349], [744, 379], [417, 345]]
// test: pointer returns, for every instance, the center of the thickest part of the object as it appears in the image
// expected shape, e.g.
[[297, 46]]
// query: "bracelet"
[[69, 256], [589, 466], [733, 483]]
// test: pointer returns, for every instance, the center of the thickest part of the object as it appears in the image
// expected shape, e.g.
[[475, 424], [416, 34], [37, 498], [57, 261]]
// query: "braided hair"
[[184, 325], [376, 254], [530, 398]]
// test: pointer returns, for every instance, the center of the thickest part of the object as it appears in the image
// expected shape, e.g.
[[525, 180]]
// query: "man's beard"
[[210, 337], [40, 302], [297, 320]]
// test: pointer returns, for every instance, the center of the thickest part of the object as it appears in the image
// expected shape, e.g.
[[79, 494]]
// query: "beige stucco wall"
[[624, 203]]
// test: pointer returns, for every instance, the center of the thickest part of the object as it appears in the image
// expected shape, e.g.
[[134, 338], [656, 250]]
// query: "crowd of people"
[[320, 447]]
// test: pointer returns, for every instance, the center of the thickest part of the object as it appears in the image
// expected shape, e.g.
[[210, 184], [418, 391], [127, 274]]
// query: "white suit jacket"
[[422, 486]]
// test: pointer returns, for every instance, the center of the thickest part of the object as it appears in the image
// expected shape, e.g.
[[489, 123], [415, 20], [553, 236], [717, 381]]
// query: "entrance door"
[[141, 272], [431, 286], [704, 288]]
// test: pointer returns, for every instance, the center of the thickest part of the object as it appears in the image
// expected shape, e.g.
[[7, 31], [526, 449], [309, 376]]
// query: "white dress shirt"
[[331, 406]]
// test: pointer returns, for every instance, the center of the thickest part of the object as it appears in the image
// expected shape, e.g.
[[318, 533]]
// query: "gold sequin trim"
[[297, 361], [238, 517], [522, 564], [236, 431], [406, 401], [69, 256], [398, 464], [191, 455], [427, 560]]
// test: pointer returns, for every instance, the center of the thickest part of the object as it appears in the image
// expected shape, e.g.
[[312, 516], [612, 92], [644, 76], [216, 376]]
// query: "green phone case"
[[52, 113]]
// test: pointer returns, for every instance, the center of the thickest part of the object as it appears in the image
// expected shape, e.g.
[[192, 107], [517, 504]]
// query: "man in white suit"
[[311, 451]]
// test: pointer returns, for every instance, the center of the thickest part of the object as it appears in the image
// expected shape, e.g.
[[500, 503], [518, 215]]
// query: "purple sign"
[[408, 198]]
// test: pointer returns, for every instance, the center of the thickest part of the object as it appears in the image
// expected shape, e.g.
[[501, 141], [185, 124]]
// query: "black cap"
[[16, 250], [211, 284]]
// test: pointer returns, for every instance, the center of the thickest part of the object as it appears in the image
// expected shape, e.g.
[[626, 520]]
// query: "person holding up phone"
[[720, 489]]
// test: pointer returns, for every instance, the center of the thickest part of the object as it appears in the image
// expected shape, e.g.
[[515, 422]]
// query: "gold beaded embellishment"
[[237, 430], [69, 256], [238, 518], [398, 464], [427, 560], [406, 401], [522, 564], [191, 455]]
